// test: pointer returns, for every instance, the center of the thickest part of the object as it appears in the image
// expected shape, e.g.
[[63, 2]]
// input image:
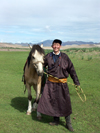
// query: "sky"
[[34, 21]]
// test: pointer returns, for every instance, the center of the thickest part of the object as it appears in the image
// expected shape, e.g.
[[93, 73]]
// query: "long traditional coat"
[[55, 100]]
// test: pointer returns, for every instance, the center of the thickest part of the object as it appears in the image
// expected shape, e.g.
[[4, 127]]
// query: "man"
[[55, 100]]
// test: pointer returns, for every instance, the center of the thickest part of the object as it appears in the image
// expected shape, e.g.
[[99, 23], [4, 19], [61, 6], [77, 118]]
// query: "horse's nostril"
[[40, 74]]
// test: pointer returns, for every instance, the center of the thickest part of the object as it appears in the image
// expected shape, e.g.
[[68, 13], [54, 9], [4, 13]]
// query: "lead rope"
[[76, 88]]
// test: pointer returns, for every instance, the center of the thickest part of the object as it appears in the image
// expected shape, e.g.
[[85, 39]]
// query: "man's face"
[[56, 47]]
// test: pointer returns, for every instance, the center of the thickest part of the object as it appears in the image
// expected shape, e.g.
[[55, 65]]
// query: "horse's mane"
[[35, 47], [38, 48]]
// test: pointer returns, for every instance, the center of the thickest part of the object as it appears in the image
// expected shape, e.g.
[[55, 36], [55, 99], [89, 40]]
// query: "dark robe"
[[55, 100]]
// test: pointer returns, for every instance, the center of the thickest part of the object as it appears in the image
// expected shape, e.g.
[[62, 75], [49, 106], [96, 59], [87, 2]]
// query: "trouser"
[[67, 118], [68, 122]]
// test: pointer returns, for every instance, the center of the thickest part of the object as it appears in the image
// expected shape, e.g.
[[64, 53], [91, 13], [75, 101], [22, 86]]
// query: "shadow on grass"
[[45, 119], [21, 104]]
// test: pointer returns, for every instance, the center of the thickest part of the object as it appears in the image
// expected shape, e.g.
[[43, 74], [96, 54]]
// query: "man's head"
[[56, 45], [57, 41]]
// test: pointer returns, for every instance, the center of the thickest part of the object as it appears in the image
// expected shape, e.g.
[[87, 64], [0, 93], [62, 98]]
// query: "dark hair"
[[57, 41]]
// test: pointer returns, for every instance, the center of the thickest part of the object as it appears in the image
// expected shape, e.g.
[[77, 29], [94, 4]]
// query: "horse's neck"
[[31, 68]]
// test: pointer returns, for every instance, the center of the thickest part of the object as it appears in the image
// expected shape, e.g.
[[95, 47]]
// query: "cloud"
[[46, 19], [48, 29]]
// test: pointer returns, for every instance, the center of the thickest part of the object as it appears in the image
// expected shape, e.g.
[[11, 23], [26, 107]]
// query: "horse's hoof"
[[33, 109], [39, 118], [28, 113]]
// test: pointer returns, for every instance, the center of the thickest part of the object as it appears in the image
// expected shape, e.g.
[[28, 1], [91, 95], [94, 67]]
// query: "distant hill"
[[76, 43], [48, 43]]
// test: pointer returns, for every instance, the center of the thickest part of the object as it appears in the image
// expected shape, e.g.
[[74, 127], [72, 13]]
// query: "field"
[[13, 102]]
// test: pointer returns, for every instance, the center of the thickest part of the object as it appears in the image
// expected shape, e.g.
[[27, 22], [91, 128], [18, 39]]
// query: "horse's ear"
[[30, 46], [41, 45]]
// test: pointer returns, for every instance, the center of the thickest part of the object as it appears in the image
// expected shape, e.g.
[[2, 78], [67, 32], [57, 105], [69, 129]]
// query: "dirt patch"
[[6, 49]]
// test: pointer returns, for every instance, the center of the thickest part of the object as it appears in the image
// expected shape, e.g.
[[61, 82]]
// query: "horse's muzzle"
[[40, 74]]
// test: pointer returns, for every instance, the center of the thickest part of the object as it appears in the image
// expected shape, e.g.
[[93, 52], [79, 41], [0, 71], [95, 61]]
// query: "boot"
[[68, 124], [55, 122]]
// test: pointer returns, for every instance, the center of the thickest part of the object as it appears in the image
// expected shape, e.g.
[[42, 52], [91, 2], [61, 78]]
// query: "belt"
[[53, 79]]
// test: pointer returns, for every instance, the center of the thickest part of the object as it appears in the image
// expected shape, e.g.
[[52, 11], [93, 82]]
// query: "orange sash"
[[53, 79]]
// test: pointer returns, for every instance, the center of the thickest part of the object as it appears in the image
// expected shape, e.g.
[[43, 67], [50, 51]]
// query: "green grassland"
[[13, 102]]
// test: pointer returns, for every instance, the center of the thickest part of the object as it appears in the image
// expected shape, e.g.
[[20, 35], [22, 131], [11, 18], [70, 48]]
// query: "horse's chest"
[[33, 79]]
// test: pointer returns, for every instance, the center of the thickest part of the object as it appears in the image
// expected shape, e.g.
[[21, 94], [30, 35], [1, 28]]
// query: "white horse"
[[33, 72]]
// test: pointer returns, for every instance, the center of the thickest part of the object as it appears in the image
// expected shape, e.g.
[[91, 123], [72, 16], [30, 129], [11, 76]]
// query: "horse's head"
[[37, 59]]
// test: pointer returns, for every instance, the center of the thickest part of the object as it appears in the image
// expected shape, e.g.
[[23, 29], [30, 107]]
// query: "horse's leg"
[[35, 102], [37, 88], [29, 99], [38, 91]]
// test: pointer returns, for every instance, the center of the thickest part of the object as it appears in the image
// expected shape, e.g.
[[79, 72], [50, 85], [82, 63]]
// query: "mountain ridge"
[[48, 43]]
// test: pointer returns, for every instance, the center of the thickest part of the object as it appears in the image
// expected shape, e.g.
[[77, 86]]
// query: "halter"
[[37, 63]]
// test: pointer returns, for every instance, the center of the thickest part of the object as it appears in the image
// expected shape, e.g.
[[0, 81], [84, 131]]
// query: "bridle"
[[39, 62], [35, 64]]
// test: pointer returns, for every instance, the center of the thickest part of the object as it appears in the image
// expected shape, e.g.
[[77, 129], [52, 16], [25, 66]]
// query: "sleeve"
[[72, 72]]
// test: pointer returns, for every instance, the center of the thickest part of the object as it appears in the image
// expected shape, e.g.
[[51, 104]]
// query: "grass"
[[13, 102]]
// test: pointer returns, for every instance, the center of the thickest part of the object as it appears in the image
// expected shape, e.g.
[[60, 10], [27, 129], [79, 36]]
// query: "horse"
[[33, 72]]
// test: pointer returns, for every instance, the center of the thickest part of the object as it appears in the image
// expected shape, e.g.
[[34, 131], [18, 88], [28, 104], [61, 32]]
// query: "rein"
[[76, 88], [38, 62]]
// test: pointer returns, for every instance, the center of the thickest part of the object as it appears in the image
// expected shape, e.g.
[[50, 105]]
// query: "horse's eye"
[[33, 57]]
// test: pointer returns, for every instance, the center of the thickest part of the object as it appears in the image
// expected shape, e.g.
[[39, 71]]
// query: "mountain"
[[46, 43], [76, 43], [49, 43]]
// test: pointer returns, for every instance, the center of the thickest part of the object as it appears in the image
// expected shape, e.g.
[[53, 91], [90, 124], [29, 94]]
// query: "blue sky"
[[38, 20]]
